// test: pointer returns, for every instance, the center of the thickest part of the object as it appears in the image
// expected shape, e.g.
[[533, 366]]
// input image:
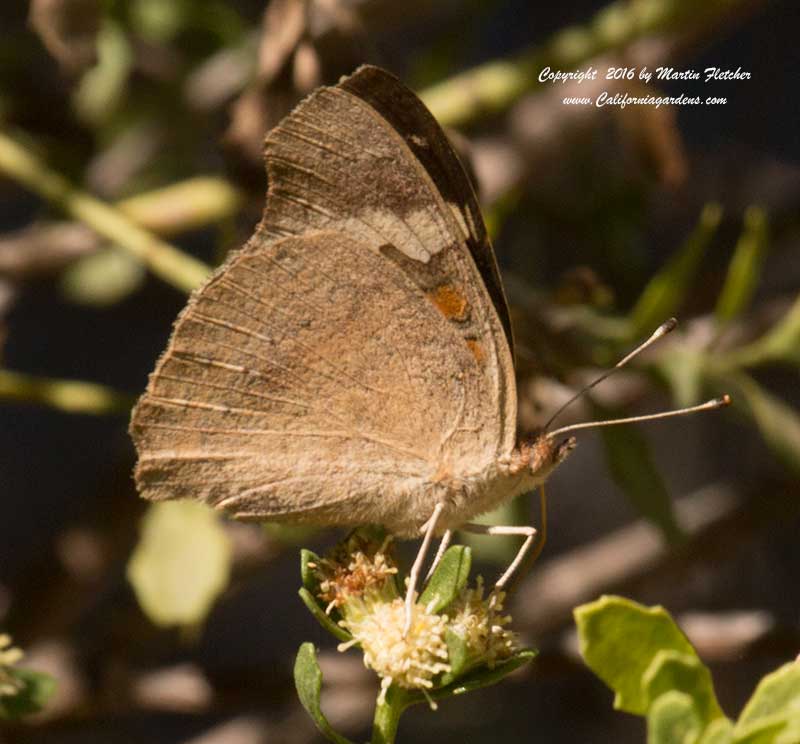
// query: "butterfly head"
[[539, 454]]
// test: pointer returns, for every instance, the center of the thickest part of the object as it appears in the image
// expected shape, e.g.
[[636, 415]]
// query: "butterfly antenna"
[[661, 331], [710, 405]]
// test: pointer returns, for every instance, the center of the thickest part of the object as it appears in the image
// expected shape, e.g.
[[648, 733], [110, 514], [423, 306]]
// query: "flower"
[[357, 585], [9, 655], [411, 660], [359, 570], [481, 625]]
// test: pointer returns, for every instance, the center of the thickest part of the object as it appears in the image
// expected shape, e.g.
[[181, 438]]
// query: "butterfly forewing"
[[336, 162], [422, 134]]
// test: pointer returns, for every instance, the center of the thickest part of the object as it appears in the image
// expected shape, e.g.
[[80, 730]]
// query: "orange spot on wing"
[[477, 350], [450, 302]]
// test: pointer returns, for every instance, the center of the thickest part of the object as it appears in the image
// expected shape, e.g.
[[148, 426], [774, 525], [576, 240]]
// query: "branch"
[[163, 259], [72, 396]]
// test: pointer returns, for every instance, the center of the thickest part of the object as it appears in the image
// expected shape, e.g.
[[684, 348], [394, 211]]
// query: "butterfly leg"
[[527, 532], [413, 577], [443, 545], [489, 529]]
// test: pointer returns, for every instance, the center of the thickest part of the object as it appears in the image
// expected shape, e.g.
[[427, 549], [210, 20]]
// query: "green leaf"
[[744, 269], [619, 639], [480, 677], [458, 657], [778, 422], [448, 579], [763, 731], [780, 344], [37, 688], [719, 731], [672, 670], [102, 88], [791, 733], [777, 694], [666, 290], [103, 278], [308, 681], [322, 617], [181, 564], [673, 719], [308, 573], [632, 467]]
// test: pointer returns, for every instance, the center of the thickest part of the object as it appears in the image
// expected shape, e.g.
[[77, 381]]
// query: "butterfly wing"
[[310, 380], [422, 134], [350, 357], [343, 160]]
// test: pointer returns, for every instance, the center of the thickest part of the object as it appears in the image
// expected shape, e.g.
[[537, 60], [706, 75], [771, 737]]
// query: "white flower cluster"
[[481, 625], [359, 582], [411, 661]]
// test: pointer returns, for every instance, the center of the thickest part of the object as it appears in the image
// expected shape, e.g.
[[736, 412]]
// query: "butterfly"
[[353, 363]]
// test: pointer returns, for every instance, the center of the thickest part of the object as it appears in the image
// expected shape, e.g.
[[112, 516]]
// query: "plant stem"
[[164, 260], [387, 716]]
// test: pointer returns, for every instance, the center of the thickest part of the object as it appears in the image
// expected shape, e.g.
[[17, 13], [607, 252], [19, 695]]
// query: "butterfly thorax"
[[467, 496]]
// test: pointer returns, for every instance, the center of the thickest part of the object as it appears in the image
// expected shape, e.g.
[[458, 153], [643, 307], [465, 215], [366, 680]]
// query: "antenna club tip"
[[725, 400], [669, 325]]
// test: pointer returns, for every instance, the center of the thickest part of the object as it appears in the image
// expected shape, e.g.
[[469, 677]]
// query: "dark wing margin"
[[410, 118]]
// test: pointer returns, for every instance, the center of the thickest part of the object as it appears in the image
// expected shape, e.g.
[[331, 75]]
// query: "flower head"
[[481, 625], [357, 585], [412, 660], [359, 570]]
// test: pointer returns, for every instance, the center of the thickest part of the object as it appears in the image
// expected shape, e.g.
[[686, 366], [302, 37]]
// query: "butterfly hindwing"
[[309, 374]]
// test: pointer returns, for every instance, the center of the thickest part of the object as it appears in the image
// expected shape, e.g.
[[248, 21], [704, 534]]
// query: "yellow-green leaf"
[[672, 670], [777, 694], [619, 640], [308, 681], [673, 719], [181, 564], [744, 269], [719, 731]]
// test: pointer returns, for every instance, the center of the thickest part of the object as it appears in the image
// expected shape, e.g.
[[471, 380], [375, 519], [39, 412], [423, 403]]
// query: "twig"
[[72, 396], [165, 260]]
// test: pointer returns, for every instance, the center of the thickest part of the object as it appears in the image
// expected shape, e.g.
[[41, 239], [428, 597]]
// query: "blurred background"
[[606, 221]]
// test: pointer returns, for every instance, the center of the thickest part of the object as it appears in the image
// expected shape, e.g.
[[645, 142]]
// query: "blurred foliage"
[[22, 691], [642, 655], [181, 564]]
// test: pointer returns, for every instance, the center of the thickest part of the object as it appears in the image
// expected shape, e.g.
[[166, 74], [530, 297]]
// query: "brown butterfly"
[[353, 362]]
